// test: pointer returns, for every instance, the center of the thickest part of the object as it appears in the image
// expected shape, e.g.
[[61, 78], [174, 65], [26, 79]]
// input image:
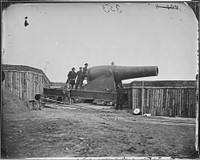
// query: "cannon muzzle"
[[122, 72]]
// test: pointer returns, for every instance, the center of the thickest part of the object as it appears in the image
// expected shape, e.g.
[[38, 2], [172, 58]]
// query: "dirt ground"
[[91, 132]]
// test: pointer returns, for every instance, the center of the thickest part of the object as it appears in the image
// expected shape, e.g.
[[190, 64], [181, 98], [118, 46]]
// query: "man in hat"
[[71, 77], [84, 73], [79, 78]]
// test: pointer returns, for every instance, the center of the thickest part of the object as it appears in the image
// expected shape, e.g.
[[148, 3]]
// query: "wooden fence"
[[164, 101], [25, 84]]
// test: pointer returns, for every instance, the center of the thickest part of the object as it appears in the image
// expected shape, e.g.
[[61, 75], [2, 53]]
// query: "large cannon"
[[102, 83], [105, 78]]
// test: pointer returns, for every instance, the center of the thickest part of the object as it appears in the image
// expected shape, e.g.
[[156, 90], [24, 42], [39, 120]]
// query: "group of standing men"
[[76, 78]]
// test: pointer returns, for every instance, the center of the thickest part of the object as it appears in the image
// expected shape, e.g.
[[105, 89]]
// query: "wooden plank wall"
[[25, 84], [165, 101]]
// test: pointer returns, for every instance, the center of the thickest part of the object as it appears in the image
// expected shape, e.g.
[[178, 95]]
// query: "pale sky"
[[60, 36]]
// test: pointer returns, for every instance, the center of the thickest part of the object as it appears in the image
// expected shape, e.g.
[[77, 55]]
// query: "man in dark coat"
[[84, 73], [79, 78], [120, 94], [71, 77]]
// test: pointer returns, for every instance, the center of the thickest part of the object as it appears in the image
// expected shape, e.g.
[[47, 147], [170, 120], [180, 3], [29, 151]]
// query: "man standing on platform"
[[84, 73], [71, 77], [79, 78]]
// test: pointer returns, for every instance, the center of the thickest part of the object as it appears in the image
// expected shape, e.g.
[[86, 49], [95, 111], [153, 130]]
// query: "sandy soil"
[[91, 132]]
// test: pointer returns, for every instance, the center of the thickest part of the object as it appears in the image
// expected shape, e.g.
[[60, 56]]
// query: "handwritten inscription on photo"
[[111, 8]]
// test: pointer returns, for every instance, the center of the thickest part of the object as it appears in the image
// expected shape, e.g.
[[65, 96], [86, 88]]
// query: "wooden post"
[[142, 110]]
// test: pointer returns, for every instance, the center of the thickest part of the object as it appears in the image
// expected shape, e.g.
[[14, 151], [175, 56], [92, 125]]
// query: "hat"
[[80, 67], [86, 63], [136, 111]]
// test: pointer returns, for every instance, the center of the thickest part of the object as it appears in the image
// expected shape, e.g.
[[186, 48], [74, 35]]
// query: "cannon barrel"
[[122, 72]]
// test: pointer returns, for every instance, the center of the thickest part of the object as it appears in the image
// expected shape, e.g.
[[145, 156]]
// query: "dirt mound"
[[12, 103]]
